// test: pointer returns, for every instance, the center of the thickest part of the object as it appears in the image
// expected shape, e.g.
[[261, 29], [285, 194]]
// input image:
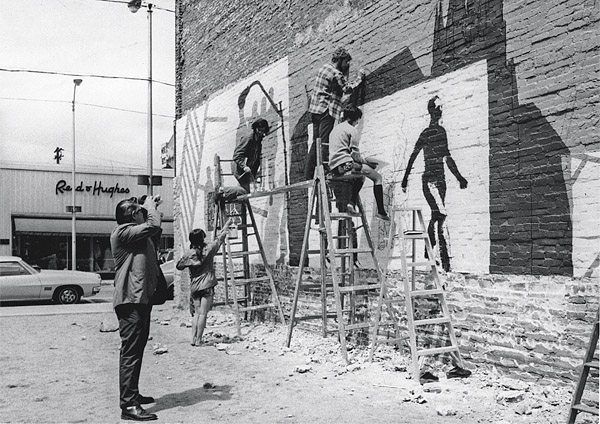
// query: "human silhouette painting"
[[434, 143]]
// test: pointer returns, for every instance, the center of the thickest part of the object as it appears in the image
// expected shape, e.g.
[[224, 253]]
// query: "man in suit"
[[136, 278]]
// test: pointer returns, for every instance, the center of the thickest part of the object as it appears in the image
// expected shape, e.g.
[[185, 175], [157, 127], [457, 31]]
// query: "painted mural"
[[500, 189], [214, 128]]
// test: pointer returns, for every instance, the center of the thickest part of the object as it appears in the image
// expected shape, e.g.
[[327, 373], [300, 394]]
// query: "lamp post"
[[76, 83], [134, 6]]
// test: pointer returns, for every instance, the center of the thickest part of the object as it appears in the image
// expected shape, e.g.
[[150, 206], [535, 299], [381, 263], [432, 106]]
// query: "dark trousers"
[[134, 328], [322, 126]]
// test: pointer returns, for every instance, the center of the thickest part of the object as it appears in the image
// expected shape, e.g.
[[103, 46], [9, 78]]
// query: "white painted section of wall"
[[389, 131], [214, 128], [585, 174]]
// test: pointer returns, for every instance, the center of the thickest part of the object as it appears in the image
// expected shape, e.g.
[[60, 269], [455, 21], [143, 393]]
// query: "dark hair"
[[352, 113], [339, 54], [196, 237], [125, 210], [261, 123], [432, 108]]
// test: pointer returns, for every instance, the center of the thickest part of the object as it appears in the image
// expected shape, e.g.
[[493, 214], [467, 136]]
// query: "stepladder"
[[345, 296], [415, 312], [590, 362], [250, 289]]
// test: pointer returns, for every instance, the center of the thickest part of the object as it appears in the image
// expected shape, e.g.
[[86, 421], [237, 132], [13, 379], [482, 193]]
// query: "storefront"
[[35, 223]]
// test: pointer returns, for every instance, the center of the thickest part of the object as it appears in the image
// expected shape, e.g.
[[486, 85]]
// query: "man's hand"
[[247, 169]]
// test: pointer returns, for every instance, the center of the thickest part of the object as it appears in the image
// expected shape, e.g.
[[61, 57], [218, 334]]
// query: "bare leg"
[[203, 306]]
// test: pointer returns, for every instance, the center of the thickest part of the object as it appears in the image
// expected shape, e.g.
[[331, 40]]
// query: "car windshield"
[[29, 268]]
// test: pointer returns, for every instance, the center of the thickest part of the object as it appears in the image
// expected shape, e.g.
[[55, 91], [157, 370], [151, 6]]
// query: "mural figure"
[[326, 103], [434, 143]]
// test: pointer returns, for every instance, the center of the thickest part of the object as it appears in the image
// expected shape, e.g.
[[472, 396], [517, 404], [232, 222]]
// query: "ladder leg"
[[334, 274], [303, 256], [274, 295]]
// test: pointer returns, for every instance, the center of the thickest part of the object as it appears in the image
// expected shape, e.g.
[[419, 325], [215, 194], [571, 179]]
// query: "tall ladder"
[[590, 361], [351, 297], [409, 227], [239, 279]]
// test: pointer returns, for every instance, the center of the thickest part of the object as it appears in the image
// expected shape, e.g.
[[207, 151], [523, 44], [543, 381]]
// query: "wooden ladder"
[[409, 227], [590, 361], [351, 297], [239, 279]]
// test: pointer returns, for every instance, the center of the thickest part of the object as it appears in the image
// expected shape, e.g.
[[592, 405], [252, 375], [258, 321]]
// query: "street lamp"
[[76, 83], [134, 6]]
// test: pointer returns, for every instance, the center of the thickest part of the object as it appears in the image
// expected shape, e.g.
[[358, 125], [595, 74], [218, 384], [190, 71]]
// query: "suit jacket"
[[136, 262]]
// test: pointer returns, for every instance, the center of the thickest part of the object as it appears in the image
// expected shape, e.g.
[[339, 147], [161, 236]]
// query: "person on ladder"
[[345, 159], [200, 260], [331, 83], [434, 143], [246, 162]]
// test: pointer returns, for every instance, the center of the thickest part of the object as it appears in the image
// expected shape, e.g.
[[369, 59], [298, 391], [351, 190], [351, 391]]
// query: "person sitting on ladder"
[[345, 159], [247, 154]]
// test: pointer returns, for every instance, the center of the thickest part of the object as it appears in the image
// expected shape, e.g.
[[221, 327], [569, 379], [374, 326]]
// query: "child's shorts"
[[204, 293]]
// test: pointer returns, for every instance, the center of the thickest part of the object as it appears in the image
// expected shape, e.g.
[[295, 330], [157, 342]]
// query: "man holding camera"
[[136, 278]]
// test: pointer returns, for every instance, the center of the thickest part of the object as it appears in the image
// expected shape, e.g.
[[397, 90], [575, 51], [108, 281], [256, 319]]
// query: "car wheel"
[[67, 295]]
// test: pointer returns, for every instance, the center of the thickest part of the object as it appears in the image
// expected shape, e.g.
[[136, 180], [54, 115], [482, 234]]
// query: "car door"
[[17, 282]]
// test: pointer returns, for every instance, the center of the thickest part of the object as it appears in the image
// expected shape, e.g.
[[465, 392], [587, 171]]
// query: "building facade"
[[517, 82], [35, 224]]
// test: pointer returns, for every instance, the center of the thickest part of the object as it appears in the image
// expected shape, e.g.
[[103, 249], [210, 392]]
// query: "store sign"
[[96, 189]]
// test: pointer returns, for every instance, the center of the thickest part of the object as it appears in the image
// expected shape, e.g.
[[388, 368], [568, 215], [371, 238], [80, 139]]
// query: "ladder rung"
[[421, 263], [436, 350], [361, 287], [431, 292], [414, 236], [342, 252], [344, 215], [244, 253], [398, 300], [307, 317], [356, 326], [430, 321], [386, 341], [592, 364], [584, 408], [314, 252], [242, 281], [254, 308]]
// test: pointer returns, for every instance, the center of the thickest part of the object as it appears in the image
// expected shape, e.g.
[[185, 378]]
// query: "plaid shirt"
[[330, 85]]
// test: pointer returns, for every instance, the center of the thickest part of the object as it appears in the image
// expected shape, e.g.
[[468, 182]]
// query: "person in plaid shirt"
[[326, 102]]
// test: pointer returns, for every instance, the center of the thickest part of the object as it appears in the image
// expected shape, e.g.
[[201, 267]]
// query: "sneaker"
[[427, 377], [383, 217], [458, 372], [351, 209]]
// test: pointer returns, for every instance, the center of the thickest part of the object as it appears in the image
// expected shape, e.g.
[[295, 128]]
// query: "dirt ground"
[[62, 368]]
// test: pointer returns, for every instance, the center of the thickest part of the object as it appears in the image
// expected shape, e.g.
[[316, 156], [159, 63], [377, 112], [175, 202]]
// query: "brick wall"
[[519, 87]]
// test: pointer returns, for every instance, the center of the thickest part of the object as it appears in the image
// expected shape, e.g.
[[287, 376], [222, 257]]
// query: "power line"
[[86, 104], [34, 71]]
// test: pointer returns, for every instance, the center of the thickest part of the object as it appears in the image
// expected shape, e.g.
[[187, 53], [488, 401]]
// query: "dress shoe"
[[144, 400], [427, 377], [458, 372], [137, 413]]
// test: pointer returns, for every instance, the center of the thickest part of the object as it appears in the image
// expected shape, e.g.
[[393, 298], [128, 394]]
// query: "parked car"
[[20, 281], [168, 270]]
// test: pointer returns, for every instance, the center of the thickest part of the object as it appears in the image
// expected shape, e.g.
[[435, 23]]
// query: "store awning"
[[84, 227]]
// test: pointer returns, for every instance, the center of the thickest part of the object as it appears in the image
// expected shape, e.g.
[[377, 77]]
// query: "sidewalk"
[[61, 368]]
